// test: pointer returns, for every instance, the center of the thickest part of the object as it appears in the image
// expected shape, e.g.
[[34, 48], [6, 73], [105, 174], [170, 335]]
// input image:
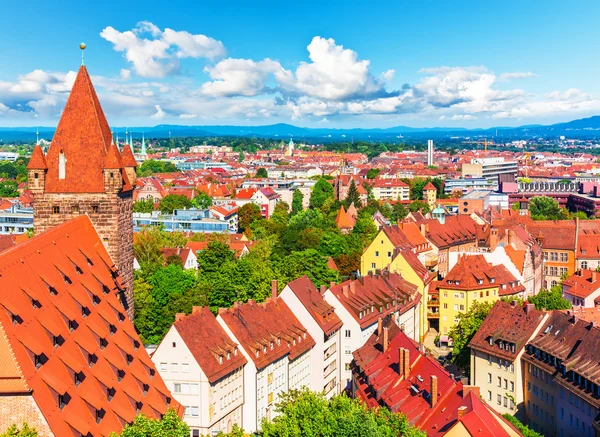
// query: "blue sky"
[[314, 63]]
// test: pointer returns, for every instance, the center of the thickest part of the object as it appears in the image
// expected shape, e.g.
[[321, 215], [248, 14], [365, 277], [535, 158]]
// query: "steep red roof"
[[267, 331], [128, 158], [456, 230], [60, 301], [246, 193], [429, 187], [344, 220], [211, 347], [83, 135], [37, 160], [507, 324], [323, 313], [582, 283]]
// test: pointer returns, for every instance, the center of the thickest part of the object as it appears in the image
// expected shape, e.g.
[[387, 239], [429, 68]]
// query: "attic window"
[[95, 300], [100, 415], [501, 345], [85, 312], [257, 352], [73, 325], [105, 289], [220, 359], [271, 345], [16, 320], [121, 317], [35, 175], [57, 340], [457, 282], [278, 341], [78, 377], [62, 165], [228, 355], [504, 286], [264, 349], [129, 359], [480, 281], [110, 393], [513, 348], [112, 329], [92, 359], [63, 400], [103, 343], [492, 280], [39, 360], [120, 375], [491, 341]]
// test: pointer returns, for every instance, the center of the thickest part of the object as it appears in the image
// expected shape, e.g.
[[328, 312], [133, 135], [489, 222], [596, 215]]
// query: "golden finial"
[[82, 47]]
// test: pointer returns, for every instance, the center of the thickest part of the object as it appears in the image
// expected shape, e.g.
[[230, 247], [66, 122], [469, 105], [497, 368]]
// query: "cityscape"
[[209, 231]]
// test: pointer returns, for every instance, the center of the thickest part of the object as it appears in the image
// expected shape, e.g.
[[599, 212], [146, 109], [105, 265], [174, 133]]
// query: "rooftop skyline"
[[335, 64]]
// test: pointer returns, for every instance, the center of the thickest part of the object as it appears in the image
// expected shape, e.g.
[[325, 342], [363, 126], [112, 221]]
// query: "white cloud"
[[188, 116], [159, 112], [159, 55], [516, 75], [459, 117], [241, 77], [125, 73], [335, 73]]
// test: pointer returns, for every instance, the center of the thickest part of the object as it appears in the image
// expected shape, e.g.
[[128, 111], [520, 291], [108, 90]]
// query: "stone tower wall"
[[112, 216]]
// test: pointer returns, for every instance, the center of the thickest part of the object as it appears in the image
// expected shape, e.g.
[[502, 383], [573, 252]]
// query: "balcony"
[[331, 350], [433, 314], [329, 369]]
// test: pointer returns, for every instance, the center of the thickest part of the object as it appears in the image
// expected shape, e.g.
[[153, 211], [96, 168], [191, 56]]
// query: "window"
[[499, 399], [512, 386], [489, 377], [56, 209], [489, 395], [564, 257], [348, 333], [163, 367], [584, 265], [185, 368], [376, 253], [174, 367], [372, 265], [75, 209], [95, 209], [177, 388], [389, 254]]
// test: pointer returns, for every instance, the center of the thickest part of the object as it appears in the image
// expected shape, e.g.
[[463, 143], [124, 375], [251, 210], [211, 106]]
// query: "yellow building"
[[391, 250], [471, 280], [430, 194]]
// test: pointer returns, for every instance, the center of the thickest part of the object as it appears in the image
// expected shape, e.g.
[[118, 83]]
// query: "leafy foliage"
[[321, 193], [305, 413], [464, 330], [262, 173], [297, 199], [523, 429], [546, 208], [248, 214], [353, 196], [152, 166], [171, 202], [170, 426], [373, 173], [144, 205], [9, 189], [550, 299], [202, 201], [25, 431]]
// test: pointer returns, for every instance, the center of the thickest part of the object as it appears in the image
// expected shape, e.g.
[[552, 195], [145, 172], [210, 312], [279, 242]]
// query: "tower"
[[143, 151], [429, 153], [290, 151], [83, 172]]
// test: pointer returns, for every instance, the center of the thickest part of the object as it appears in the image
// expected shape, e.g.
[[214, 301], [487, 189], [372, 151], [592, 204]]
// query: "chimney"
[[406, 363], [493, 238], [332, 284], [433, 390], [470, 388], [179, 317], [386, 340], [274, 288], [400, 360], [353, 287], [196, 309], [379, 325], [323, 288], [529, 307], [345, 291], [461, 412], [594, 276], [513, 303]]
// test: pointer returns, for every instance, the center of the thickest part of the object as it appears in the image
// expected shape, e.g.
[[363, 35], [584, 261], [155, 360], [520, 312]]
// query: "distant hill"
[[582, 128]]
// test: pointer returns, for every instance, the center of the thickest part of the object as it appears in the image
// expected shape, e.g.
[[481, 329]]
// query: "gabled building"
[[496, 351], [582, 288], [323, 325], [83, 172], [388, 189], [562, 378], [72, 363], [345, 220], [266, 199], [360, 303], [471, 280], [188, 258], [278, 349], [390, 371], [203, 368]]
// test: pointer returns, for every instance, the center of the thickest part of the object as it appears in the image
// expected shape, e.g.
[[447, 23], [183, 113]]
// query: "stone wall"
[[112, 216], [16, 409]]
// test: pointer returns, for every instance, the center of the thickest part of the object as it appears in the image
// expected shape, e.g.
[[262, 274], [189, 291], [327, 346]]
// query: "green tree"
[[153, 166], [241, 157], [202, 201], [261, 173], [523, 429], [144, 205], [462, 332], [321, 193], [297, 199], [25, 431], [419, 205], [148, 247], [307, 262], [214, 256], [174, 259], [550, 299], [169, 426], [171, 202], [9, 189], [546, 208], [305, 413], [247, 214], [373, 173], [353, 196], [399, 212]]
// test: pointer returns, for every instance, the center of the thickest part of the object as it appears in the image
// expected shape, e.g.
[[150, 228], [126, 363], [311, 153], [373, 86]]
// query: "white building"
[[203, 368], [321, 322], [361, 303], [429, 153], [278, 350]]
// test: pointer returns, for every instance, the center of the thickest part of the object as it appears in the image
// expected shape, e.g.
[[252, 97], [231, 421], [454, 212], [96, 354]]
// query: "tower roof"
[[429, 187], [83, 135], [127, 156], [113, 158], [37, 161]]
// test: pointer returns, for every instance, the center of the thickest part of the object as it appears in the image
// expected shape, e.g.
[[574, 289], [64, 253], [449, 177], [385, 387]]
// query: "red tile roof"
[[267, 331], [60, 301], [128, 158], [344, 220], [323, 313], [83, 135], [582, 283], [216, 354], [37, 160], [429, 187], [366, 295], [507, 324], [246, 193], [456, 230]]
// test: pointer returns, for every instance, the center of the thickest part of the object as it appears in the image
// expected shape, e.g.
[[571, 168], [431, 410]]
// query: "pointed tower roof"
[[128, 158], [83, 135], [113, 158], [37, 161], [429, 187]]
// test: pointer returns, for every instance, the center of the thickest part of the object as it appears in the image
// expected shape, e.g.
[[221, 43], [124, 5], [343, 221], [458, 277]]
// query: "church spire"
[[143, 151]]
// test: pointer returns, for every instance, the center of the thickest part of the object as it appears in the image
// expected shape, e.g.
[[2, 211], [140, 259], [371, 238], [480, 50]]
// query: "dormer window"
[[480, 281], [501, 345], [62, 165], [278, 341], [264, 349], [491, 340], [257, 353], [457, 282], [492, 280], [228, 355], [271, 345], [220, 359]]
